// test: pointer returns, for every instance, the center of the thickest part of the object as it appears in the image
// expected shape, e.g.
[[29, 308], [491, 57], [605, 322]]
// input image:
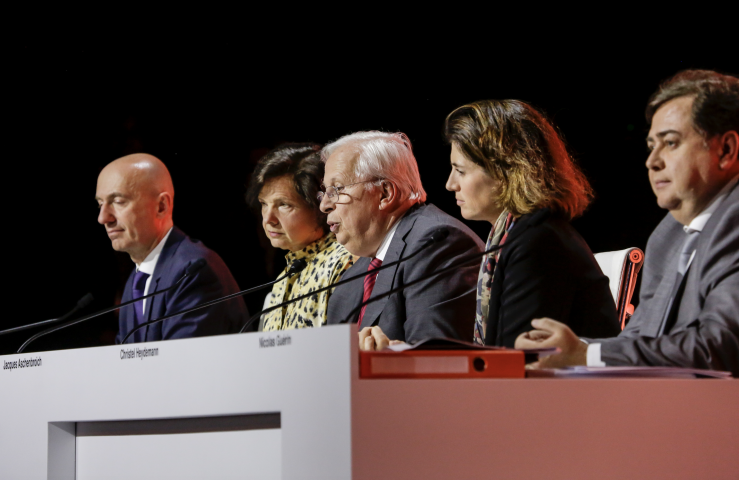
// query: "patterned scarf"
[[497, 236]]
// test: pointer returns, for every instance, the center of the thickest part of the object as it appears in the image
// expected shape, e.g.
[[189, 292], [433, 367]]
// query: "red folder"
[[500, 363]]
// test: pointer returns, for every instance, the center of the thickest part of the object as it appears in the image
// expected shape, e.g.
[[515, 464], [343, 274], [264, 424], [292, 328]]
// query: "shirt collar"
[[700, 221], [382, 251], [312, 248], [150, 262]]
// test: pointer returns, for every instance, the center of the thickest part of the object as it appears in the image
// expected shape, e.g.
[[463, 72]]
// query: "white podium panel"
[[291, 405], [302, 377]]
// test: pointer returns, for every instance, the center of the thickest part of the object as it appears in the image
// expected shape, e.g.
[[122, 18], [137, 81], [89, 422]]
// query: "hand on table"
[[549, 333], [373, 338]]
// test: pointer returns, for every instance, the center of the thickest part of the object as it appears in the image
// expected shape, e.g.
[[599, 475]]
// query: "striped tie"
[[369, 284]]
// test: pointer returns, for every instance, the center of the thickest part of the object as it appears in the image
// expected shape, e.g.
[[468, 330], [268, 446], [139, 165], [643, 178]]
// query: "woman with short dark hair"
[[511, 168], [284, 188]]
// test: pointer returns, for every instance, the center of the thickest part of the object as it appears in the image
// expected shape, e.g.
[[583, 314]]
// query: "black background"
[[209, 109]]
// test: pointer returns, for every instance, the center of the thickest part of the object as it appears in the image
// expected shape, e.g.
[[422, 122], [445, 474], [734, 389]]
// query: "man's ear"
[[728, 148], [389, 194], [164, 204]]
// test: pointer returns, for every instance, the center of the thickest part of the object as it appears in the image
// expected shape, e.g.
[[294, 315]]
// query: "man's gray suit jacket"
[[442, 306], [706, 331]]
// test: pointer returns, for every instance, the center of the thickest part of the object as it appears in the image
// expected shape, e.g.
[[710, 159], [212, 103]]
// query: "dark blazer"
[[706, 331], [212, 281], [442, 306], [547, 270]]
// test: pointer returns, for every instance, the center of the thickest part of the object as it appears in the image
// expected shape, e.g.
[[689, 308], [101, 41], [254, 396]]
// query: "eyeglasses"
[[332, 193]]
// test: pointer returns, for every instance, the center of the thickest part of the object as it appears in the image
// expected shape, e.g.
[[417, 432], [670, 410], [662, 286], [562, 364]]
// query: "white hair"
[[384, 156]]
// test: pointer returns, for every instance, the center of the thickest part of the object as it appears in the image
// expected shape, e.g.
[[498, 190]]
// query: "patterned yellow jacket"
[[327, 261]]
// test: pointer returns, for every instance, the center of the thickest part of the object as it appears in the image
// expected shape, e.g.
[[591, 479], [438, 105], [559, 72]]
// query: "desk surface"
[[369, 428]]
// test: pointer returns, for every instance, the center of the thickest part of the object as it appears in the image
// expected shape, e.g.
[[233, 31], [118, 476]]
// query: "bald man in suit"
[[135, 196]]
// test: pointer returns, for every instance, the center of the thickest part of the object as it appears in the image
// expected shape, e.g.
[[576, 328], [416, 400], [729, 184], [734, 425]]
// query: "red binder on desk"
[[482, 363]]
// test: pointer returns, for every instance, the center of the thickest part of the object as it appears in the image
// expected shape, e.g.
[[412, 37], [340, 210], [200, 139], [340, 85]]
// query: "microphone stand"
[[437, 236], [82, 303], [195, 266], [463, 261], [296, 267]]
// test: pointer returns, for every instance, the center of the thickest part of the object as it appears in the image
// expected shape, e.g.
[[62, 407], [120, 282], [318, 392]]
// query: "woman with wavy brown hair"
[[511, 168]]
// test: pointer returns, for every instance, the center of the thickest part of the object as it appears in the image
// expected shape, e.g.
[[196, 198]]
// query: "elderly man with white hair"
[[375, 204]]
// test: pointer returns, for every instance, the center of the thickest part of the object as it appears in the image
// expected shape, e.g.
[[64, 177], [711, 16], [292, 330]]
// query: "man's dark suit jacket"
[[212, 281], [442, 306], [546, 269], [706, 331]]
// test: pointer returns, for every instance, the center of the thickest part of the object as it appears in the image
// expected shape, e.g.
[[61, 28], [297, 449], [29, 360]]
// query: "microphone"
[[190, 270], [436, 235], [296, 266], [194, 266], [463, 261], [82, 303], [439, 234]]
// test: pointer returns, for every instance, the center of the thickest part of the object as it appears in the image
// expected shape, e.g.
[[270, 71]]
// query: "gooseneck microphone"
[[435, 236], [296, 266], [190, 270], [462, 261], [82, 303]]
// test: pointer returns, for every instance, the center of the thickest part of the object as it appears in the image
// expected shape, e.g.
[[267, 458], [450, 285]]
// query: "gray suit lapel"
[[346, 297], [693, 296], [667, 246], [690, 303], [386, 278]]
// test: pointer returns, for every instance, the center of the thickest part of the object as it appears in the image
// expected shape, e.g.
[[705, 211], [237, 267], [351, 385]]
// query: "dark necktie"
[[139, 287], [677, 290], [369, 284]]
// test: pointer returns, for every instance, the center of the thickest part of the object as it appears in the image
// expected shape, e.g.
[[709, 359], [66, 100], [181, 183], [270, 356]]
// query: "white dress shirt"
[[150, 263], [382, 251], [696, 225]]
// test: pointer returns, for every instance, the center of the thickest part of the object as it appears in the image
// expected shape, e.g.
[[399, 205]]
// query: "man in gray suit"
[[688, 314], [375, 205]]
